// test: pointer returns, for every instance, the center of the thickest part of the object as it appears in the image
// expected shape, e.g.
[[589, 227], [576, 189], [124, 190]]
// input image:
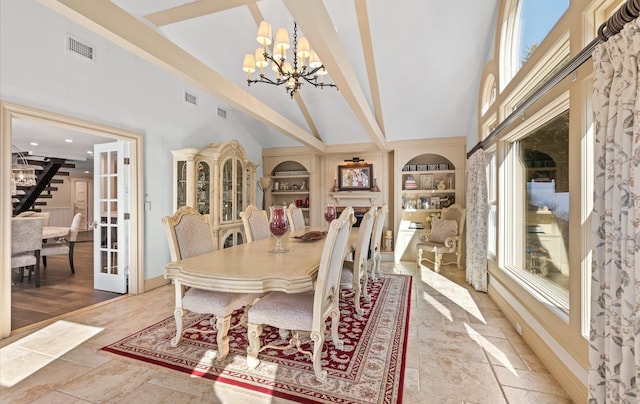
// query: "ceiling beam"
[[125, 30], [196, 9], [367, 48], [314, 20]]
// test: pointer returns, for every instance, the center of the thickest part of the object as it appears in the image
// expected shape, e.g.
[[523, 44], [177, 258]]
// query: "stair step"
[[56, 181], [42, 163]]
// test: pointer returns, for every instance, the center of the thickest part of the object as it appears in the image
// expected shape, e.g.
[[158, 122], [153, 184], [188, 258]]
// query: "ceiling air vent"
[[80, 48], [190, 98], [222, 113]]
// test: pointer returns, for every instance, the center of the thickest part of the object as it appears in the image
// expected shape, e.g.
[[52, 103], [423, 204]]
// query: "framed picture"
[[355, 177], [426, 181]]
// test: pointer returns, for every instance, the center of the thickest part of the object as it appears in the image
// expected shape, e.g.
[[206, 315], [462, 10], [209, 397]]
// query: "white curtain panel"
[[477, 216], [614, 347]]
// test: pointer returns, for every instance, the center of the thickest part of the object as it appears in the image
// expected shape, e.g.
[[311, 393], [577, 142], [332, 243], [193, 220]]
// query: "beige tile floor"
[[461, 349]]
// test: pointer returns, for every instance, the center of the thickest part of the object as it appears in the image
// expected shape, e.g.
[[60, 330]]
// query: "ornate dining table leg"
[[253, 333], [177, 314]]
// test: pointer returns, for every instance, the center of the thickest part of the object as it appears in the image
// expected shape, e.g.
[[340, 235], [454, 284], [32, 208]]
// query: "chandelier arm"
[[266, 80], [313, 82], [279, 64]]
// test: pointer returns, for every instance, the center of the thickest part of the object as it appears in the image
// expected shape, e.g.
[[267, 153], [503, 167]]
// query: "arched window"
[[527, 23], [489, 93]]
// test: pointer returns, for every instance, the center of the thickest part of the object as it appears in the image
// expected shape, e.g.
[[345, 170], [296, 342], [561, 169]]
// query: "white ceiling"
[[426, 59]]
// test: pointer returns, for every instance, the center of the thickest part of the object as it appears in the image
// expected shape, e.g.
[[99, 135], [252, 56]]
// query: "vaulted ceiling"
[[406, 69]]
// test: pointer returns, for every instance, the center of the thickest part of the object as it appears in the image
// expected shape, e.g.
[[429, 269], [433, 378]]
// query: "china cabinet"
[[218, 180]]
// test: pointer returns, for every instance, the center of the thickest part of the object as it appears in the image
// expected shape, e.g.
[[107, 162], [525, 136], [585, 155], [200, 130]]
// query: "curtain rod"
[[627, 12]]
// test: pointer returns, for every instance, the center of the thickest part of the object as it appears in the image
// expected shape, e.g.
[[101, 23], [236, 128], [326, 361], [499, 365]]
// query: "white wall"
[[119, 90]]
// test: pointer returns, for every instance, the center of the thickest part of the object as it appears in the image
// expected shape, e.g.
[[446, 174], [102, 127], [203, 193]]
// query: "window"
[[540, 192], [489, 93], [528, 23]]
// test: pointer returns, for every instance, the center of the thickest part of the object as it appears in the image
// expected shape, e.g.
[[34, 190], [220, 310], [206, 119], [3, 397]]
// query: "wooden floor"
[[60, 291]]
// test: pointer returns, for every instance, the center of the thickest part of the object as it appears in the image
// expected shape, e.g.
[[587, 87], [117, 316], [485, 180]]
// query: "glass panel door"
[[111, 226]]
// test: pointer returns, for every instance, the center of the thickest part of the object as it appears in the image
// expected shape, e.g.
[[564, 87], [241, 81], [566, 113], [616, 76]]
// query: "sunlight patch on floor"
[[26, 356], [452, 291], [490, 348]]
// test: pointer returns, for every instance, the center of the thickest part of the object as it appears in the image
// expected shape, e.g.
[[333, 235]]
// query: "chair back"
[[327, 289], [188, 233], [364, 239], [378, 224], [26, 234], [256, 223], [458, 213], [295, 217], [75, 227]]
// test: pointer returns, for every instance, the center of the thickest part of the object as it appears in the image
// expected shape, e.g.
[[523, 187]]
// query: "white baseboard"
[[154, 283]]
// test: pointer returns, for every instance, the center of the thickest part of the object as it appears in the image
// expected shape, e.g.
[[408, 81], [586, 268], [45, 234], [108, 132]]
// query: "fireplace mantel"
[[357, 198]]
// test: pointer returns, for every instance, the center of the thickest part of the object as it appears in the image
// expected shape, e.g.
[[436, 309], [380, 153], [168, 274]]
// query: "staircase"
[[31, 198]]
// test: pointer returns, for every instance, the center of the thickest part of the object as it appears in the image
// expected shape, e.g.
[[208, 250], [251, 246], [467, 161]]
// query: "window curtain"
[[477, 216], [614, 348]]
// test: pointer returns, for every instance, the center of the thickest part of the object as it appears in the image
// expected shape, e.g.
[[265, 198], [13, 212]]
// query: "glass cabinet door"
[[181, 186], [227, 191], [239, 188], [203, 188]]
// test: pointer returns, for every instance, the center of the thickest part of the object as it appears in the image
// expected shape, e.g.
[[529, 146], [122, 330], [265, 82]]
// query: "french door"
[[111, 217]]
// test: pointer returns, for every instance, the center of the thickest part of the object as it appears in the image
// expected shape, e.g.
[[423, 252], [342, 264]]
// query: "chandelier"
[[306, 67], [22, 175]]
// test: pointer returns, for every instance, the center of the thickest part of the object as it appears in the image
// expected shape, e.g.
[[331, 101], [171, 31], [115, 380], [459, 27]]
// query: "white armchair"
[[189, 234], [354, 273], [295, 218], [256, 223], [445, 238], [306, 312]]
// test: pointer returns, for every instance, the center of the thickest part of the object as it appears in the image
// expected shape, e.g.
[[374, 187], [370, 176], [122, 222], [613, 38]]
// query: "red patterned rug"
[[370, 369]]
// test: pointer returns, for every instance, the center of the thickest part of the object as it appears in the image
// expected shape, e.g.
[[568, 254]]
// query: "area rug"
[[370, 368]]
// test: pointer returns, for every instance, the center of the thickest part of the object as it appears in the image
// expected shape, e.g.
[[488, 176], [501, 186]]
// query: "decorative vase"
[[330, 213], [278, 226]]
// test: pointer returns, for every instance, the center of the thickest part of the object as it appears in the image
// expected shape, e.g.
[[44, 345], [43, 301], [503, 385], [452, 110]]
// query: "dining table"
[[54, 232], [252, 268]]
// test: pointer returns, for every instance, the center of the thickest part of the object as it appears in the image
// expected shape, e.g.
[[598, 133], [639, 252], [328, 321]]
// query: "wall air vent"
[[190, 98], [80, 48], [222, 113]]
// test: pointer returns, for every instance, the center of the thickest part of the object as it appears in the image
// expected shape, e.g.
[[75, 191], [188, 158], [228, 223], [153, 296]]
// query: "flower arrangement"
[[432, 216]]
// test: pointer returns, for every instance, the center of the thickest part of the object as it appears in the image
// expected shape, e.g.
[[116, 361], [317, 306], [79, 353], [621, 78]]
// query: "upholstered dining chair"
[[354, 273], [295, 218], [376, 239], [445, 238], [26, 242], [256, 223], [65, 245], [306, 312], [189, 234]]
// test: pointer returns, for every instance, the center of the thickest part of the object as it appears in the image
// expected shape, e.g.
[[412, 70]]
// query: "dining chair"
[[26, 242], [295, 217], [354, 273], [376, 239], [256, 223], [189, 234], [305, 312], [64, 245], [445, 237]]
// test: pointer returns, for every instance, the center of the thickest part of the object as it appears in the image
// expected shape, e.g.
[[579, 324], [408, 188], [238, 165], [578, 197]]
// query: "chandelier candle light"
[[306, 64]]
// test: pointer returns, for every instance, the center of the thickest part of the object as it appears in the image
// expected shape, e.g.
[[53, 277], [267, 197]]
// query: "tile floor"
[[461, 350]]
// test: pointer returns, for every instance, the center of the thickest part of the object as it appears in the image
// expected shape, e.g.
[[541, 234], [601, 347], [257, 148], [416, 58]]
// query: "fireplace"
[[358, 212]]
